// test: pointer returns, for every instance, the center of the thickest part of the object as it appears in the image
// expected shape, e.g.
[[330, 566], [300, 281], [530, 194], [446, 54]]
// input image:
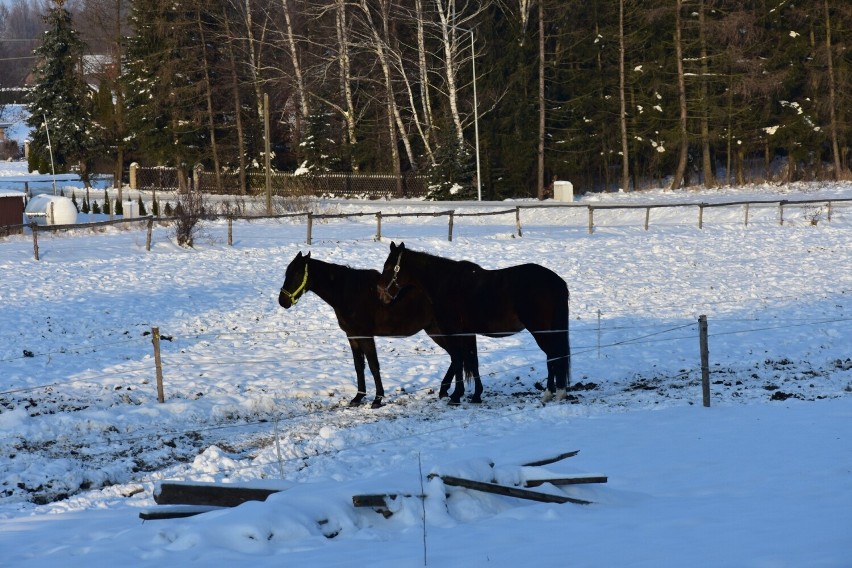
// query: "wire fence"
[[209, 355]]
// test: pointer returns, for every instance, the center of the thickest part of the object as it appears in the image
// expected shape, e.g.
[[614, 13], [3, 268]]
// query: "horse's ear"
[[308, 255], [299, 255], [393, 246], [401, 246]]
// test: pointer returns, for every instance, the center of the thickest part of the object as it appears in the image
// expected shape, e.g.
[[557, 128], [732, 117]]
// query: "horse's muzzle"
[[285, 300], [384, 294]]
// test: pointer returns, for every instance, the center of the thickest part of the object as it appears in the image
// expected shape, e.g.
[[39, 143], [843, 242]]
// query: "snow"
[[256, 394]]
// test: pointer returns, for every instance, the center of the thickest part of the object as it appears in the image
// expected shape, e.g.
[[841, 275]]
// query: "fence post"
[[746, 214], [267, 155], [230, 231], [829, 211], [150, 229], [134, 173], [781, 211], [379, 226], [599, 334], [450, 231], [591, 219], [705, 359], [700, 215], [34, 227], [518, 220], [158, 363], [310, 226], [647, 217]]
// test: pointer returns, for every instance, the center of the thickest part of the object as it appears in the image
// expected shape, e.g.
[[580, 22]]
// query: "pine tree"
[[318, 147], [165, 107], [61, 98], [452, 177]]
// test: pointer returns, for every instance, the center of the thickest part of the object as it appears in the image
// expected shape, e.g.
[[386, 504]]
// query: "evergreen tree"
[[165, 105], [452, 177], [62, 98], [319, 149]]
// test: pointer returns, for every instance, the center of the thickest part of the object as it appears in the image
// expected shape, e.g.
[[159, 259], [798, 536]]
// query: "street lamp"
[[475, 111]]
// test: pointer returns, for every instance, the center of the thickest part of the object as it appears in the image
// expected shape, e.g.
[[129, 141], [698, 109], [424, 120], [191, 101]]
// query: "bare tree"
[[680, 172], [622, 100], [706, 155]]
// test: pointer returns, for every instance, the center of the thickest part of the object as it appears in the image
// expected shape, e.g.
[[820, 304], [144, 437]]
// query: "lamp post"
[[50, 150], [475, 111], [475, 118]]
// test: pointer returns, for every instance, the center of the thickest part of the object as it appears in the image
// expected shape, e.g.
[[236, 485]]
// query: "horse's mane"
[[343, 267], [443, 260]]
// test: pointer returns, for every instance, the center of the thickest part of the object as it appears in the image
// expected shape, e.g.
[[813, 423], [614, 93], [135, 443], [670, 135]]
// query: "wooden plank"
[[573, 480], [376, 501], [211, 494], [555, 459], [510, 491], [174, 512]]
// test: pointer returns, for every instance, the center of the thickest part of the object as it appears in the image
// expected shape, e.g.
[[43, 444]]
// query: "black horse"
[[362, 316], [468, 299]]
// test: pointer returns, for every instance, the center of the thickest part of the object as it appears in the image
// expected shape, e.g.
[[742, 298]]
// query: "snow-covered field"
[[256, 394]]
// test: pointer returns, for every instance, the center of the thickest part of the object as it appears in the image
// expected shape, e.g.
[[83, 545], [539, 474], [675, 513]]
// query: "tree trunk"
[[680, 172], [304, 107], [706, 155], [541, 100], [238, 113], [832, 125], [449, 42], [345, 75], [625, 156], [255, 61], [211, 126], [425, 91]]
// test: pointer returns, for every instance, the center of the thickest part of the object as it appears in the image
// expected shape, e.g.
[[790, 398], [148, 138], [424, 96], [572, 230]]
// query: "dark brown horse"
[[352, 294], [468, 299]]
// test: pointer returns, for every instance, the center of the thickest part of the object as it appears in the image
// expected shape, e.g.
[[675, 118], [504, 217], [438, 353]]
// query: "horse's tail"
[[470, 365]]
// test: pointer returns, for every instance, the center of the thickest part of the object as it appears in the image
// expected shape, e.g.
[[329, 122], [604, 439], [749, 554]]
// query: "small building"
[[11, 211]]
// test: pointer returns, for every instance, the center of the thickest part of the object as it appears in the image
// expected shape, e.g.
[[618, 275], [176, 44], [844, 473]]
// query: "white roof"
[[12, 193]]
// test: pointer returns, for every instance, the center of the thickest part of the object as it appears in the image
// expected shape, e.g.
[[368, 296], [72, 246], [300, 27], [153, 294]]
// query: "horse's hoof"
[[561, 394], [547, 396], [476, 399], [377, 403], [443, 394], [357, 400], [454, 401]]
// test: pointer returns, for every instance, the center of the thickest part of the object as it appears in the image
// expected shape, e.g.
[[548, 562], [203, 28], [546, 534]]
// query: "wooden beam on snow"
[[507, 491], [210, 494]]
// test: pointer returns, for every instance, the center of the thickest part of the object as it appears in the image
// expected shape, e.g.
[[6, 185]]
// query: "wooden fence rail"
[[451, 214]]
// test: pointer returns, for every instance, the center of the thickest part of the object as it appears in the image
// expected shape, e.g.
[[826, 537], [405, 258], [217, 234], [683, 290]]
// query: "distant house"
[[3, 127], [11, 210]]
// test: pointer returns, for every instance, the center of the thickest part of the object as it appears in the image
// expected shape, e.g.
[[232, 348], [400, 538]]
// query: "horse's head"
[[390, 282], [295, 281]]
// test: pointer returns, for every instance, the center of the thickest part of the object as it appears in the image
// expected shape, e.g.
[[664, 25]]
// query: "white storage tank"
[[563, 191], [130, 208], [51, 210]]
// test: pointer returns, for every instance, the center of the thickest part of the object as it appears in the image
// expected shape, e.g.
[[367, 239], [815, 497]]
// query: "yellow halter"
[[296, 294]]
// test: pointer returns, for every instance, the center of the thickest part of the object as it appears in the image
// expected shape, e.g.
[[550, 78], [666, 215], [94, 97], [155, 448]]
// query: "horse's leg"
[[358, 357], [458, 372], [558, 360], [455, 365], [369, 347], [448, 344], [471, 370]]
